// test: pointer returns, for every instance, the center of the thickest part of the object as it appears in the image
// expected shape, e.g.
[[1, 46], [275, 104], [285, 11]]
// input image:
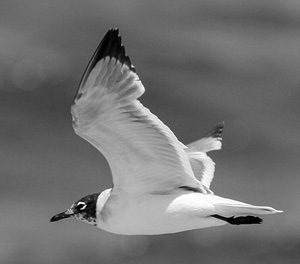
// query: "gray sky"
[[201, 62]]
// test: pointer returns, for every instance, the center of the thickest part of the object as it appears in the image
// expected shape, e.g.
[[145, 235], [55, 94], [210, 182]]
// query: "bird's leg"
[[240, 220]]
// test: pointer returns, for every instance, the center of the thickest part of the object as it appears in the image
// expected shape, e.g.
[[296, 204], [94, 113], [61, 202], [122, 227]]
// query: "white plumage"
[[159, 184]]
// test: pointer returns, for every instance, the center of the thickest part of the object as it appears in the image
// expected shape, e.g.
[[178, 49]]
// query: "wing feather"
[[202, 165], [143, 153]]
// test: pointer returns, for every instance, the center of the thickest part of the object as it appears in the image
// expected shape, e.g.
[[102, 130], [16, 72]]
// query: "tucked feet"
[[240, 220]]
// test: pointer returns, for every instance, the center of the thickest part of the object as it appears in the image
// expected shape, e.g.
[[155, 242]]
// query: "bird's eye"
[[81, 206]]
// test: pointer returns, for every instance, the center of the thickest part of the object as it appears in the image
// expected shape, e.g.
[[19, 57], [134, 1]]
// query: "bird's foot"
[[240, 220]]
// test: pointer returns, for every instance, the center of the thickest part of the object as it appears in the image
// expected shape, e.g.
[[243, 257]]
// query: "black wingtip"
[[110, 46], [217, 131]]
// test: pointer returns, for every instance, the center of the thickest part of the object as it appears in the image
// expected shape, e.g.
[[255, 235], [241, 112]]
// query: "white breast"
[[153, 214]]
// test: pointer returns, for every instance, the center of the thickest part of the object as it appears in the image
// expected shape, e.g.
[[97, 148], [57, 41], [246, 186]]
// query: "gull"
[[160, 185]]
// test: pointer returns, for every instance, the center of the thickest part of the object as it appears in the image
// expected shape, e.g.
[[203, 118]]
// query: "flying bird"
[[160, 185]]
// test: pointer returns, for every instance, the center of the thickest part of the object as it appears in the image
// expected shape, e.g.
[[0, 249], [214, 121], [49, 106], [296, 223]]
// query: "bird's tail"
[[228, 207]]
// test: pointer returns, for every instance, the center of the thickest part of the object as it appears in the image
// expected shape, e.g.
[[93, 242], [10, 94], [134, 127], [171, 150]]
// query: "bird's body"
[[154, 213], [160, 185], [178, 211]]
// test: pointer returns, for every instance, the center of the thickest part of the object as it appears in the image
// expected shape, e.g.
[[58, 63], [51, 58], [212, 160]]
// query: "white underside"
[[178, 211]]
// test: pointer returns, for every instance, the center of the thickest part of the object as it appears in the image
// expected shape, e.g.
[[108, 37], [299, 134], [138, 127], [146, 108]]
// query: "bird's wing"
[[202, 165], [203, 168], [211, 141], [143, 153]]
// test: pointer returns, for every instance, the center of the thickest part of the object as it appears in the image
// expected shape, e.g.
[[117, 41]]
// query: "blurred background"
[[201, 62]]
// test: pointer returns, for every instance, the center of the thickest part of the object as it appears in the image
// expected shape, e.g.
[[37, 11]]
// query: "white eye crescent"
[[81, 206]]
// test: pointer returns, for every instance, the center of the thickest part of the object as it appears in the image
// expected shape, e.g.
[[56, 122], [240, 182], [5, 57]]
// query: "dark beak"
[[63, 215]]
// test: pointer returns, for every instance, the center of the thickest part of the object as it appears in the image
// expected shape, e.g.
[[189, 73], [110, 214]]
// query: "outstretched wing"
[[202, 165], [143, 153]]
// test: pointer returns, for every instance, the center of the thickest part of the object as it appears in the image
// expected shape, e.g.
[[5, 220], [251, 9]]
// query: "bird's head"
[[84, 210]]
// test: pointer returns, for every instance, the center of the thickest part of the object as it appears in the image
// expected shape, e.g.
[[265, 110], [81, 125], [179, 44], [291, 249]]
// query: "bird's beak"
[[63, 215]]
